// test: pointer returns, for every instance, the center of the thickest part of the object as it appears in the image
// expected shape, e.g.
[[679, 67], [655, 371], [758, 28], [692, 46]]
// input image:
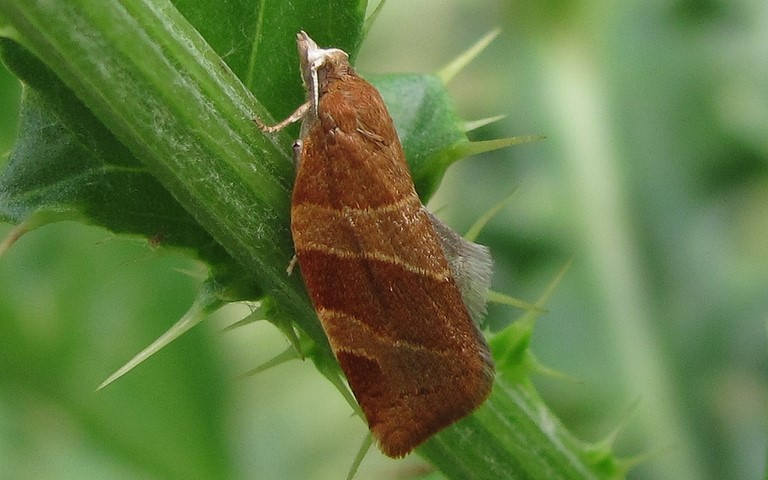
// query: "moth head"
[[317, 63]]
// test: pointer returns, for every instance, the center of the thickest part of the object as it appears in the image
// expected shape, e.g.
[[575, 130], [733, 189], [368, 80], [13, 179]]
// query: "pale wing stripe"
[[406, 201], [386, 339], [439, 276]]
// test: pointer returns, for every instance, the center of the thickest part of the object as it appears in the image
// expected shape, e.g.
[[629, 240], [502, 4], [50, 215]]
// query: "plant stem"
[[175, 104]]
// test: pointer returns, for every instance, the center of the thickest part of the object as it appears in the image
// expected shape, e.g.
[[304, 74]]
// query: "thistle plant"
[[137, 117]]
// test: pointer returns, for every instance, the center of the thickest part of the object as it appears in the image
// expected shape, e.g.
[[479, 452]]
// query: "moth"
[[395, 289]]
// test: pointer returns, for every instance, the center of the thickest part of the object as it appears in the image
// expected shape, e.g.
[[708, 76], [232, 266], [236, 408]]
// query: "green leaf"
[[427, 124], [66, 161], [258, 40]]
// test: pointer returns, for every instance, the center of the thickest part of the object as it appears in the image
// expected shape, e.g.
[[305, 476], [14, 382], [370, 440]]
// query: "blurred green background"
[[653, 177]]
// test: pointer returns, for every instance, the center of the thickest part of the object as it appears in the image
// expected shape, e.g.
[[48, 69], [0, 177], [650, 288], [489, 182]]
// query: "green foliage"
[[427, 124], [138, 125], [143, 129]]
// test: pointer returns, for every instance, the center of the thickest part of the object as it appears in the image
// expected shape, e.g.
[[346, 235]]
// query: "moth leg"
[[291, 264], [297, 146], [294, 117]]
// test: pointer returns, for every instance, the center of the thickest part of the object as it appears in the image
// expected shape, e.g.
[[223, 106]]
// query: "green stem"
[[177, 106]]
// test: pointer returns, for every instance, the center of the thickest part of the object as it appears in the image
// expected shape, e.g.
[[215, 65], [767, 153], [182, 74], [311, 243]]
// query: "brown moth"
[[395, 289]]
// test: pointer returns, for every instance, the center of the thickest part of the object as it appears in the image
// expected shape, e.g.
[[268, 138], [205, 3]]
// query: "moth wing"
[[471, 266]]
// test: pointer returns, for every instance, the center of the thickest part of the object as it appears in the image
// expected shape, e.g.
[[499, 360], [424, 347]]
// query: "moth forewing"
[[374, 262]]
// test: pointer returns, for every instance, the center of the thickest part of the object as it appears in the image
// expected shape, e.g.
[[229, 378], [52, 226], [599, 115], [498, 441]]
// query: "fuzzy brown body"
[[377, 274]]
